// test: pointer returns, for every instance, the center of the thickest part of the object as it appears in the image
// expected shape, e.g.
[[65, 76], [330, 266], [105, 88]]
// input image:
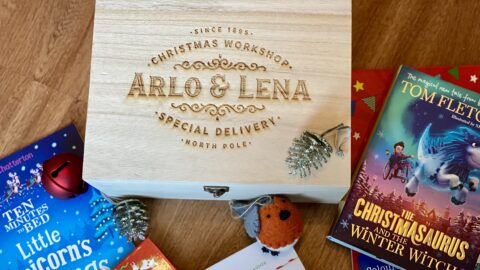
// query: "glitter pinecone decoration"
[[309, 150], [132, 219], [312, 150]]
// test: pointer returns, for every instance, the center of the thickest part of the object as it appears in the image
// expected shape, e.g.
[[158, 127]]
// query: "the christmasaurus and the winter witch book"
[[415, 202], [40, 232]]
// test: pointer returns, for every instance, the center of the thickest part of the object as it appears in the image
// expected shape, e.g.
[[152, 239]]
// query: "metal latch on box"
[[217, 191]]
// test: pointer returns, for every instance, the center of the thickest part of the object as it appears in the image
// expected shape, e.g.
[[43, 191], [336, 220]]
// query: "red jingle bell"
[[62, 176]]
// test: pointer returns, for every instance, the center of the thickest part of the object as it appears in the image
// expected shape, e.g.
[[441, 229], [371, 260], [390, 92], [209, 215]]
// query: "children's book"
[[146, 256], [252, 257], [363, 262], [414, 202], [370, 87], [40, 232]]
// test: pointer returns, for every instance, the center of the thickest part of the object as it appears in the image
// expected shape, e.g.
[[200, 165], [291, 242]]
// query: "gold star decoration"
[[358, 86]]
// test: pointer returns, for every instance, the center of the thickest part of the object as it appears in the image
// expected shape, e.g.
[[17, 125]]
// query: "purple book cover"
[[415, 202], [40, 232]]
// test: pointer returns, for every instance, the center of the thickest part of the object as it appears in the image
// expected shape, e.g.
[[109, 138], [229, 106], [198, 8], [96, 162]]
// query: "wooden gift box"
[[191, 99]]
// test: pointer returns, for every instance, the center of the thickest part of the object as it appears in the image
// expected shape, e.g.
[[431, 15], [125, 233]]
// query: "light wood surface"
[[45, 51], [134, 147]]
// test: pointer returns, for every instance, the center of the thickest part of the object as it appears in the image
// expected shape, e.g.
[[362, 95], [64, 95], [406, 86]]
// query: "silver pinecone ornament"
[[132, 219], [312, 150]]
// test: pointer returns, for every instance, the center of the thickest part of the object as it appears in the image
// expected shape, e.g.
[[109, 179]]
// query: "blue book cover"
[[363, 262], [40, 232], [415, 202]]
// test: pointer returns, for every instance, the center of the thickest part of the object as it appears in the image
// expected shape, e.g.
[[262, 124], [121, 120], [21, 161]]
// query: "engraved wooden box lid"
[[189, 97]]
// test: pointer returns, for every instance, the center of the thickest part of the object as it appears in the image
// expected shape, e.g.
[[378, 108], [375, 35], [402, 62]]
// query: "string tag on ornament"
[[239, 209]]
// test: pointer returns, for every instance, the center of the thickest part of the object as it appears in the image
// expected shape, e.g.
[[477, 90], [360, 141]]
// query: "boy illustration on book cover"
[[398, 162], [418, 206]]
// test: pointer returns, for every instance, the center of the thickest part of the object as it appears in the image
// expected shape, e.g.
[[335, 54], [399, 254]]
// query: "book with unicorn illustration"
[[39, 231]]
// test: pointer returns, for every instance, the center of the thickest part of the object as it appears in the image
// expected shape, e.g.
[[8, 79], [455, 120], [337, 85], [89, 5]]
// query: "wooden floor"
[[45, 51]]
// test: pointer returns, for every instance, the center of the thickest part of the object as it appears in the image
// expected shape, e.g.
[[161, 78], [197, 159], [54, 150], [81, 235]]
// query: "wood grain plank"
[[45, 60], [387, 34]]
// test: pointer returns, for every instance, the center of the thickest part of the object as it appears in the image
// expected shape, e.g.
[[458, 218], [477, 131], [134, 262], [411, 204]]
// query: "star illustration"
[[356, 135], [473, 78], [344, 224], [380, 134], [358, 86]]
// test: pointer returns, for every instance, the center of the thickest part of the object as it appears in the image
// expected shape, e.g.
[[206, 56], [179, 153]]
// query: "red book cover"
[[370, 87], [146, 256]]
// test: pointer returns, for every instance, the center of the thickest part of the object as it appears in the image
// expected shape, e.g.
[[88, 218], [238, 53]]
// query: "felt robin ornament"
[[273, 220]]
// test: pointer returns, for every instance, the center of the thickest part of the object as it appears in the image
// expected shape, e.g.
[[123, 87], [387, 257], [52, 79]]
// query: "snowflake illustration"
[[349, 216], [344, 224]]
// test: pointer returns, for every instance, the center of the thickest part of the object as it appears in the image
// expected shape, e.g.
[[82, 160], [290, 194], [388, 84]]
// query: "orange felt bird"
[[273, 220]]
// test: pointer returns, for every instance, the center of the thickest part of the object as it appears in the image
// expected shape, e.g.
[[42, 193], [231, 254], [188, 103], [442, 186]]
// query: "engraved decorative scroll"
[[218, 111], [221, 63]]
